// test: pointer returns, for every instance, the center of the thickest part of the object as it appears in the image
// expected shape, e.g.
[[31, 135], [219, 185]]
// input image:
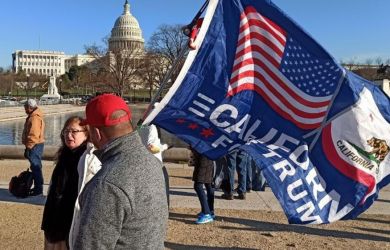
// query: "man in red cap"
[[124, 205]]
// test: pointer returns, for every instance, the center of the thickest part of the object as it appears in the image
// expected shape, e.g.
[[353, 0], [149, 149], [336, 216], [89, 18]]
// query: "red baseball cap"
[[100, 109]]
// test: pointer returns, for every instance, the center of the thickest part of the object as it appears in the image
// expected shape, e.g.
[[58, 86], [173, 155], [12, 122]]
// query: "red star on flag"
[[207, 132], [181, 121], [193, 126]]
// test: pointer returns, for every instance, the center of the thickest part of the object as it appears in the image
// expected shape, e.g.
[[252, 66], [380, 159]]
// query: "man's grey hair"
[[31, 103]]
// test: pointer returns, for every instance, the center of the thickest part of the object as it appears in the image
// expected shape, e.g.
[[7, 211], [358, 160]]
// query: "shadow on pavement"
[[6, 196], [175, 246], [181, 177], [276, 227], [188, 219], [373, 230], [181, 193], [373, 220]]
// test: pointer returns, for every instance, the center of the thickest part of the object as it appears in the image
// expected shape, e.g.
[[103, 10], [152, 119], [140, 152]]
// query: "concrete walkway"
[[16, 113], [185, 197]]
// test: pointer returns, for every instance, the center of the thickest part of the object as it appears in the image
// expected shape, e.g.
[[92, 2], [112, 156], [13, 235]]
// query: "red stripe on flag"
[[342, 166], [254, 48], [260, 24], [251, 9], [280, 82], [276, 93], [276, 107]]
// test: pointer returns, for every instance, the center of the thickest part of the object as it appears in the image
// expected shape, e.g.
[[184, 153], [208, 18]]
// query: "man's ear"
[[98, 134]]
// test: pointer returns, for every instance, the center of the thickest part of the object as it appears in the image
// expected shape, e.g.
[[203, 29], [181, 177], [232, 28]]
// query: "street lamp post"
[[60, 90], [28, 85], [12, 84]]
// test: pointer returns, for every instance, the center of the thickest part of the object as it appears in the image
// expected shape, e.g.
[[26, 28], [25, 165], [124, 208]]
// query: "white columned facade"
[[39, 62]]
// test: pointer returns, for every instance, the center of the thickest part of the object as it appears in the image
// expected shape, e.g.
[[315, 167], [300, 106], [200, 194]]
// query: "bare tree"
[[167, 43], [7, 83], [378, 60], [30, 82], [368, 73], [117, 69], [83, 77], [154, 68], [369, 61]]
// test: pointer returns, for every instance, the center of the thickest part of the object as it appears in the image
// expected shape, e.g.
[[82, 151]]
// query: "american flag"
[[295, 83]]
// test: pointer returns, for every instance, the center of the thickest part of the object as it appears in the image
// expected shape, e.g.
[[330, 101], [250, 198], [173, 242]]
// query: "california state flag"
[[357, 144]]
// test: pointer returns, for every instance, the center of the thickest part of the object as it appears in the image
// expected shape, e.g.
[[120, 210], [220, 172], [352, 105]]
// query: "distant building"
[[351, 66], [384, 84], [126, 37], [78, 60], [39, 62], [126, 33]]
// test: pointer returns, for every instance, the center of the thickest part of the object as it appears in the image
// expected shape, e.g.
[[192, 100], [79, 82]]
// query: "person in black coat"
[[203, 177], [61, 198]]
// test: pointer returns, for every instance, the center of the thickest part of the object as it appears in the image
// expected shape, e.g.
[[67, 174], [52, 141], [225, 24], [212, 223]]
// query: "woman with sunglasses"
[[63, 190]]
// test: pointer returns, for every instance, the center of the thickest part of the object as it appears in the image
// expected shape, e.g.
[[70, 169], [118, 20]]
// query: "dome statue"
[[126, 33]]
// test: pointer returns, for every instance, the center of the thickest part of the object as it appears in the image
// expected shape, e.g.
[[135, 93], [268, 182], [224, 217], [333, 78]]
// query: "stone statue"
[[52, 95], [52, 89]]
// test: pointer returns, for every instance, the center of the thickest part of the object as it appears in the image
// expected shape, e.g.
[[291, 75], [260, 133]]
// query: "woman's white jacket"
[[87, 167]]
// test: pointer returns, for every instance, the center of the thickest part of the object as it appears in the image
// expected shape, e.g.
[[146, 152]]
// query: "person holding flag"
[[258, 82]]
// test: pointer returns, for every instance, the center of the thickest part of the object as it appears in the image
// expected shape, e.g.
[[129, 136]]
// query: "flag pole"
[[176, 63], [162, 85]]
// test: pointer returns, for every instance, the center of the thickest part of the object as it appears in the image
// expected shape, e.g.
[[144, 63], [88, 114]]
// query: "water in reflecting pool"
[[11, 131]]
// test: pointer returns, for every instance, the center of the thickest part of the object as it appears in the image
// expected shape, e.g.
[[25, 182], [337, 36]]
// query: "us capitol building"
[[126, 35]]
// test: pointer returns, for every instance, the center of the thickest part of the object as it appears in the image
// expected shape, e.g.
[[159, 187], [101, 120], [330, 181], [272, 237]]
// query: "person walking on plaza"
[[124, 205], [237, 160], [58, 211], [203, 177], [33, 139], [258, 179]]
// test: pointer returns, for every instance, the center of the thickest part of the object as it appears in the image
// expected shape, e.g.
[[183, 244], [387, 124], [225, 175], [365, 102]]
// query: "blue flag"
[[258, 82]]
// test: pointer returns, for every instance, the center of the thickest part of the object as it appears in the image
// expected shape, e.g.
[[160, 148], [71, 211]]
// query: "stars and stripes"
[[296, 84], [280, 83]]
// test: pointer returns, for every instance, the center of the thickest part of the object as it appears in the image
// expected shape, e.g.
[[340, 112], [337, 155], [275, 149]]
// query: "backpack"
[[20, 185]]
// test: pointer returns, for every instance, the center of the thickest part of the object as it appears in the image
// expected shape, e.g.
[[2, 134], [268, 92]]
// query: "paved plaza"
[[184, 196]]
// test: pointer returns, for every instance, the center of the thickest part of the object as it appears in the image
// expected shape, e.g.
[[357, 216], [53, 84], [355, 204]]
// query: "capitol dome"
[[126, 33]]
